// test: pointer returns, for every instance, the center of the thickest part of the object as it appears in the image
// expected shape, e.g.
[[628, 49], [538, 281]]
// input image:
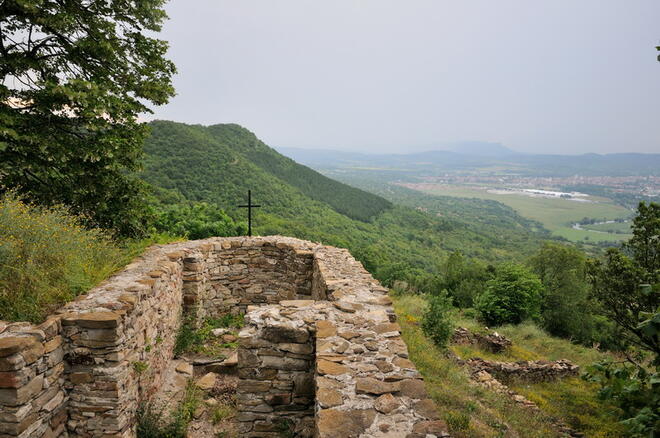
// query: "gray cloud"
[[560, 76]]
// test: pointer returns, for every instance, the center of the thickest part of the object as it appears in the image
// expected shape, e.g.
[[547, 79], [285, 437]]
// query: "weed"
[[221, 413], [285, 427], [185, 338], [154, 423], [47, 258], [140, 366], [458, 420], [202, 340], [229, 320], [474, 412]]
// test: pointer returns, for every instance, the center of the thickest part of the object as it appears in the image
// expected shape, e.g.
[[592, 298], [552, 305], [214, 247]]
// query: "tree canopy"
[[627, 283], [513, 295], [76, 74]]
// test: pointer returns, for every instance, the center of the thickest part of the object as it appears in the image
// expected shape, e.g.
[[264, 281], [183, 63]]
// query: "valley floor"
[[556, 214]]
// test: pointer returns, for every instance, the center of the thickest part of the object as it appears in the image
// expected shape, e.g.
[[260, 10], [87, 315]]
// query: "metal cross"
[[249, 206]]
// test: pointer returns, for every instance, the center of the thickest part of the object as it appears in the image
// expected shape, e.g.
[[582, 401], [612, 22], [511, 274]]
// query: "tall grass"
[[476, 412], [48, 258], [469, 410]]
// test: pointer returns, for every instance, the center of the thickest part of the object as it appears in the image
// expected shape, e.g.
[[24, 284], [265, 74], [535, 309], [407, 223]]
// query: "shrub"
[[196, 221], [47, 258], [436, 322], [635, 390], [514, 294], [463, 278]]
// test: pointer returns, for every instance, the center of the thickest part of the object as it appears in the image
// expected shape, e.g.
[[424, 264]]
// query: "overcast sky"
[[551, 76]]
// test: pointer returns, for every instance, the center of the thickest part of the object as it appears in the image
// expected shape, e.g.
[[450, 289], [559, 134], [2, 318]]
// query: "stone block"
[[283, 334], [17, 378], [12, 345], [331, 368], [93, 320], [344, 424], [20, 427], [19, 396], [413, 388], [13, 362], [369, 385], [284, 363]]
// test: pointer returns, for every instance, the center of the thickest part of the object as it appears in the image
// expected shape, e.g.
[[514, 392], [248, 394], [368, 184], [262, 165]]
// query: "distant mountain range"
[[476, 155], [480, 148]]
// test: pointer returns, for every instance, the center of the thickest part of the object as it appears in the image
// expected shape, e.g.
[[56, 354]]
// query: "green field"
[[616, 227], [556, 215]]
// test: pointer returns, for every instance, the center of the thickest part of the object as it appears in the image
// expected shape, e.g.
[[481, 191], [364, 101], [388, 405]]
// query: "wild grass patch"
[[47, 258], [154, 422], [202, 341], [469, 410], [472, 411]]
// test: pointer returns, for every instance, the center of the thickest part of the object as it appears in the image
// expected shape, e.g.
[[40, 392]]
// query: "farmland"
[[556, 214]]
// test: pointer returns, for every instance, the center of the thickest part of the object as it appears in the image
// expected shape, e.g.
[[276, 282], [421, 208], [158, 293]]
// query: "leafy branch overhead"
[[76, 75]]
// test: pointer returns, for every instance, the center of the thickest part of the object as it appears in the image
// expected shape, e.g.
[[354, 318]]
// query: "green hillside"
[[231, 159], [218, 164]]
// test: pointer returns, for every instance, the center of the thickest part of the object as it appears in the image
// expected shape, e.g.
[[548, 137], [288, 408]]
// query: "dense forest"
[[218, 164]]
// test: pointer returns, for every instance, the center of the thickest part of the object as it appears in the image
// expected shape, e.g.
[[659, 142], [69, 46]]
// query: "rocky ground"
[[210, 373]]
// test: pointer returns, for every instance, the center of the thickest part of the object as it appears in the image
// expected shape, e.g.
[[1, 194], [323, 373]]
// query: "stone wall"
[[238, 273], [532, 371], [364, 384], [32, 397], [321, 352], [493, 342]]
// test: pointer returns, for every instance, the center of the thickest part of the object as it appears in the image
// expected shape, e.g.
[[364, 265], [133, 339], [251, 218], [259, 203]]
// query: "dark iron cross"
[[249, 206]]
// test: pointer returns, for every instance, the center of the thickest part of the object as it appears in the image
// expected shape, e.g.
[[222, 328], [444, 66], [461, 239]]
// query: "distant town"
[[555, 186]]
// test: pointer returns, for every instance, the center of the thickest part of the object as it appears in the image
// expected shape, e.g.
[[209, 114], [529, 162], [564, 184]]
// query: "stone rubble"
[[493, 342], [490, 374], [532, 371]]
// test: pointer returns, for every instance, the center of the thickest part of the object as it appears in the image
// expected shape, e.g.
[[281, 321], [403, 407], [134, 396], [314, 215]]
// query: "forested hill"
[[221, 162], [218, 164]]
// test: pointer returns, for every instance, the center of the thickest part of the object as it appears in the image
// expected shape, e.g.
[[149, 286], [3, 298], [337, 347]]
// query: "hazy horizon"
[[385, 76]]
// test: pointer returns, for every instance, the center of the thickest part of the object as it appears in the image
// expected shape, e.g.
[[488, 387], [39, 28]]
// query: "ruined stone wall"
[[321, 352], [32, 398], [239, 273], [84, 371], [276, 373], [118, 341], [532, 371], [364, 385]]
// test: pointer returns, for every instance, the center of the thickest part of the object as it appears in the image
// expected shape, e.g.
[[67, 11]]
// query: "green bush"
[[463, 278], [513, 295], [436, 322], [196, 221], [48, 258]]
